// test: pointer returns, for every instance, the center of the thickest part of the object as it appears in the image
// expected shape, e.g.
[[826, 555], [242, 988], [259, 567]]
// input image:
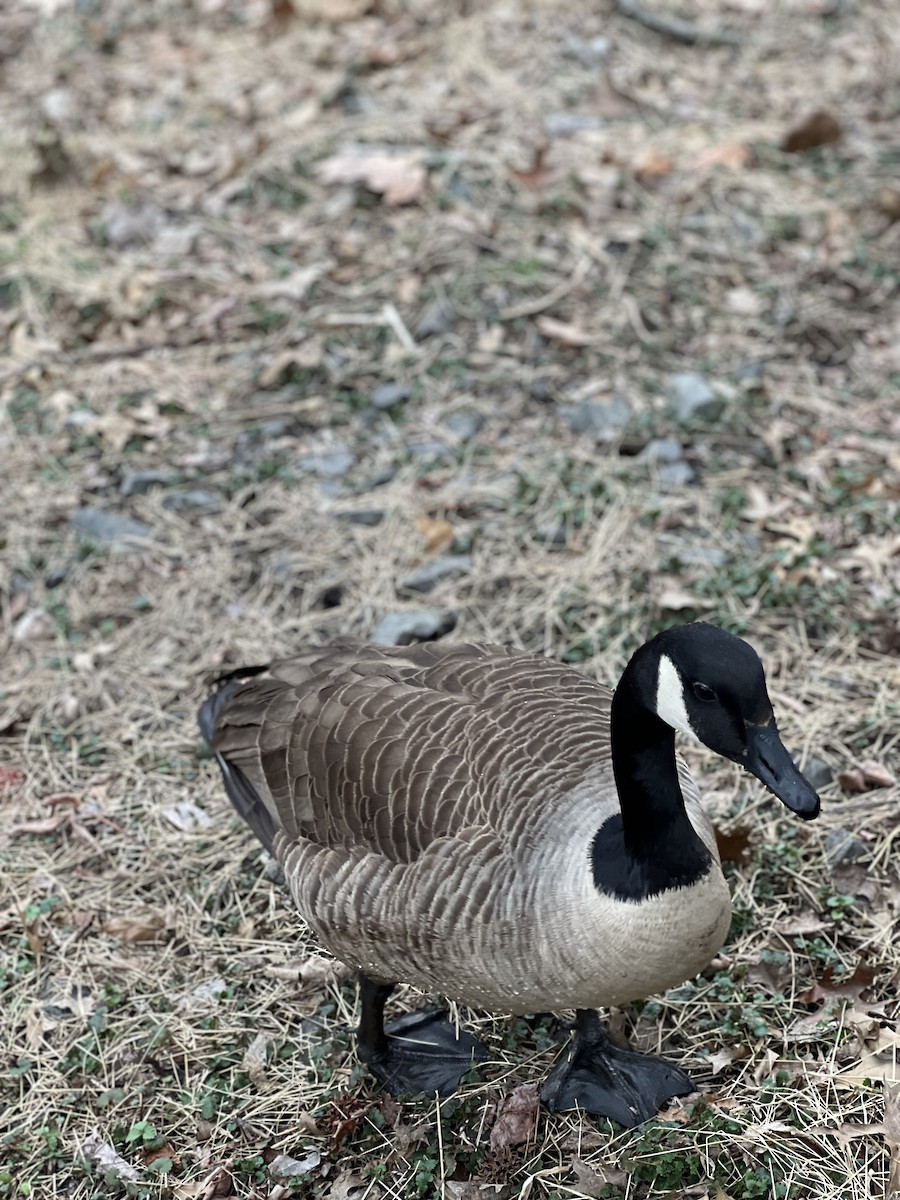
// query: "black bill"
[[770, 762]]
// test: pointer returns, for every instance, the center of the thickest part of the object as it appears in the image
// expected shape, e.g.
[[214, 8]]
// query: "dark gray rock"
[[112, 528], [430, 574], [817, 771], [437, 319], [361, 516], [676, 474], [603, 419], [691, 398], [56, 576], [128, 225], [390, 395], [428, 449], [276, 427], [382, 476], [661, 450], [328, 464], [691, 550], [137, 483], [198, 499], [842, 846], [405, 628], [466, 423], [567, 124]]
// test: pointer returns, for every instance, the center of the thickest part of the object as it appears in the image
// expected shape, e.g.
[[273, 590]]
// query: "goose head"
[[711, 685]]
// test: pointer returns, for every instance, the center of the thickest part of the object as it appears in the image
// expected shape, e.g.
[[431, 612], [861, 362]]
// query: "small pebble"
[[465, 423], [109, 527], [430, 574], [842, 846], [390, 395], [405, 628], [691, 398]]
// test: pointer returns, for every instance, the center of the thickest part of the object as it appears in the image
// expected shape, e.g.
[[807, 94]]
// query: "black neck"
[[651, 844]]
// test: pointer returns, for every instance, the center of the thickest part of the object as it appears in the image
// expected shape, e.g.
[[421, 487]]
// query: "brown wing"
[[389, 749]]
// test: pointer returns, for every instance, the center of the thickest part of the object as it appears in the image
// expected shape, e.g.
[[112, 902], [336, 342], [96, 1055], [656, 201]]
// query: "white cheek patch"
[[670, 706]]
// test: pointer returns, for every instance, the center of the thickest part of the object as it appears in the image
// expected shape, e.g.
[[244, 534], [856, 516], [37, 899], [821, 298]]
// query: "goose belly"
[[554, 943]]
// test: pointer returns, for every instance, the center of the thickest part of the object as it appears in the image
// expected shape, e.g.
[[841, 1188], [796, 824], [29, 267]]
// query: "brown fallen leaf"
[[674, 599], [254, 1060], [593, 1179], [437, 532], [538, 175], [889, 202], [11, 777], [515, 1118], [892, 1135], [734, 844], [879, 1062], [398, 178], [733, 155], [721, 1059], [140, 925], [820, 128], [875, 775], [829, 987], [652, 166], [801, 924]]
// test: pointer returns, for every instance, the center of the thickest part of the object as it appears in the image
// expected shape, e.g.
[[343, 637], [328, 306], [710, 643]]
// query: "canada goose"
[[500, 829]]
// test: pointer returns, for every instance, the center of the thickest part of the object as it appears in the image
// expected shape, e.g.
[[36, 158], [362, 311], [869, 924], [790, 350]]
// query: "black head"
[[711, 684]]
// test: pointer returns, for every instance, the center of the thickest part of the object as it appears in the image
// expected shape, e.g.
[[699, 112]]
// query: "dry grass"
[[152, 971]]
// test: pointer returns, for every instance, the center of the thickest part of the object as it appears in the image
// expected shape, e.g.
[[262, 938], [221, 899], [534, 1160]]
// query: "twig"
[[674, 28], [528, 308], [100, 353]]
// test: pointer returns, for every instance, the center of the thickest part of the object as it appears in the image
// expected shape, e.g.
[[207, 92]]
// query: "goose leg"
[[597, 1076], [418, 1051]]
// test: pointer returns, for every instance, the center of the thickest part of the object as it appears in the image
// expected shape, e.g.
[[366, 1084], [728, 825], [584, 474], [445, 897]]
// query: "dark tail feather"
[[239, 789]]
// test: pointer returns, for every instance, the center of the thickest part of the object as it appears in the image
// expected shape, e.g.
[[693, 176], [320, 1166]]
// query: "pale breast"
[[512, 928]]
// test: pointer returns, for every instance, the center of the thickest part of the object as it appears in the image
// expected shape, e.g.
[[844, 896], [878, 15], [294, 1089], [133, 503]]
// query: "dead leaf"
[[254, 1060], [674, 599], [593, 1179], [187, 816], [820, 128], [733, 155], [652, 166], [140, 925], [892, 1135], [760, 507], [103, 1156], [880, 1062], [398, 178], [734, 845], [801, 924], [33, 625], [10, 777], [437, 532], [852, 780], [346, 1183], [563, 332], [721, 1059], [307, 356], [868, 776], [515, 1118], [889, 202], [875, 775], [538, 175], [830, 987]]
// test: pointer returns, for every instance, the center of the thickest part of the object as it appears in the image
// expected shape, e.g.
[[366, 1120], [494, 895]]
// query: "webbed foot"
[[597, 1076], [416, 1052]]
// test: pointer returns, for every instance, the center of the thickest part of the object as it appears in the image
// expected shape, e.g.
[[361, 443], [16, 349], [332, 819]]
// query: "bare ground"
[[187, 286]]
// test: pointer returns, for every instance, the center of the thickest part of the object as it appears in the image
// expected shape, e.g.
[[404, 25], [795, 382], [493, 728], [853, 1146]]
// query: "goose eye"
[[704, 692]]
